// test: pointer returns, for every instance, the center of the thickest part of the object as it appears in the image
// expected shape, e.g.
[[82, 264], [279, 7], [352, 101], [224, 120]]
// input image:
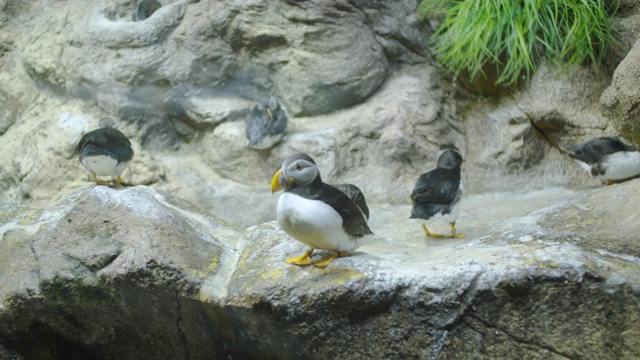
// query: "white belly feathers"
[[621, 165], [103, 165], [314, 223]]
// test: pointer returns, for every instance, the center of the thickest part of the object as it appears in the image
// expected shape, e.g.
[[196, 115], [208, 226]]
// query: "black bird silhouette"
[[438, 193], [105, 151], [607, 158]]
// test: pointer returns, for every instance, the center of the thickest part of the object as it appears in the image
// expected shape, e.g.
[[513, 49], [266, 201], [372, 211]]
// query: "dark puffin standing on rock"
[[105, 151], [607, 158], [317, 214], [266, 123], [438, 193]]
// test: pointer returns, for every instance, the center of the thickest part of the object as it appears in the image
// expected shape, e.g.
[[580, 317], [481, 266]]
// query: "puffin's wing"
[[627, 145], [594, 150], [355, 194], [353, 220], [438, 186], [281, 118], [255, 124], [109, 139]]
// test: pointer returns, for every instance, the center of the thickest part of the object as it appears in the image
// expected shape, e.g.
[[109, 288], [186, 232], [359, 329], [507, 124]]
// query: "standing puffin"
[[607, 158], [105, 151], [316, 214], [437, 193], [266, 123]]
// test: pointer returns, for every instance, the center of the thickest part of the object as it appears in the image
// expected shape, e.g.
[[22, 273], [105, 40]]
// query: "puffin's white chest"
[[268, 141], [313, 223], [103, 165], [621, 165]]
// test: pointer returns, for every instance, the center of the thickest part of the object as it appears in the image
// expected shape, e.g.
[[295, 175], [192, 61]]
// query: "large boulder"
[[136, 273], [79, 275], [625, 26], [620, 102]]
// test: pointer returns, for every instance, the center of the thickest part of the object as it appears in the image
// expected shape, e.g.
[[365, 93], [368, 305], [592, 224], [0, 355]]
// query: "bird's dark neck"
[[317, 182]]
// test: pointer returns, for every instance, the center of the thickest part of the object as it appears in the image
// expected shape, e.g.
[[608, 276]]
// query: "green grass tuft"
[[514, 35]]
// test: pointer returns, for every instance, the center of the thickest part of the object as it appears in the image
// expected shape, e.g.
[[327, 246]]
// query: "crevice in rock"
[[544, 134], [519, 339], [108, 260], [411, 47], [81, 265], [466, 302], [183, 336], [439, 343], [549, 127], [33, 251]]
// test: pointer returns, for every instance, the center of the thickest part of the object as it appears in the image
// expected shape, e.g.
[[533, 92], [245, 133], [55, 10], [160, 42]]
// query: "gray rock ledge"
[[135, 273]]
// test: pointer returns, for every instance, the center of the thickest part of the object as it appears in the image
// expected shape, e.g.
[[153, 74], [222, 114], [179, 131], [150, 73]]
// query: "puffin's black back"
[[592, 151], [425, 210], [355, 194], [106, 139], [353, 220], [437, 190], [438, 185]]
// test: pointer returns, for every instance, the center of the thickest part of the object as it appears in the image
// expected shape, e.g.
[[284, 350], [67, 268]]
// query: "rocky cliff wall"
[[357, 77]]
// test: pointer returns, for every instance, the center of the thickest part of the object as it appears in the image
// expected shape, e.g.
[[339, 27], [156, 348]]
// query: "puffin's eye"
[[298, 167]]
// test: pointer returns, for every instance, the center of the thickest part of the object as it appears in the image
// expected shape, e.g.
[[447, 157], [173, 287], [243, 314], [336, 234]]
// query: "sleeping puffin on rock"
[[607, 158], [317, 214], [438, 193], [266, 123]]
